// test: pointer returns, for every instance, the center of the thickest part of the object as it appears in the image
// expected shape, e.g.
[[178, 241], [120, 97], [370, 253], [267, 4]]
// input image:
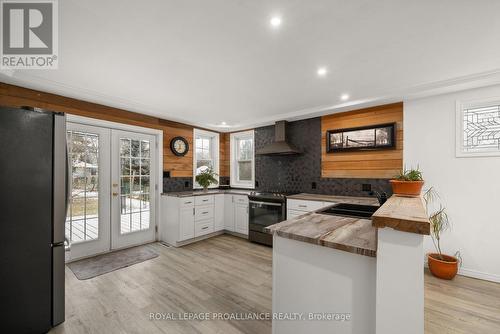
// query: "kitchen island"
[[351, 275]]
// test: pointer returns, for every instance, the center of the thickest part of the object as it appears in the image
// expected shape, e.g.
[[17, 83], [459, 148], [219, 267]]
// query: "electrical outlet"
[[186, 184], [313, 185], [366, 187], [166, 174]]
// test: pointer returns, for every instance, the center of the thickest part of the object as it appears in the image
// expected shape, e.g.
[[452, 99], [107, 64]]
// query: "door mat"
[[106, 263]]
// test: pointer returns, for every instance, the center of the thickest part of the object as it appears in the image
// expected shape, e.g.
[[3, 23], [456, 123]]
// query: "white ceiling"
[[203, 62]]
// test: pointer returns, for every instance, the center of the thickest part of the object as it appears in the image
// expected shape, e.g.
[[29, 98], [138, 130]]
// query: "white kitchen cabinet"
[[186, 223], [295, 207], [229, 212], [185, 219], [241, 218], [290, 214], [219, 212], [306, 206]]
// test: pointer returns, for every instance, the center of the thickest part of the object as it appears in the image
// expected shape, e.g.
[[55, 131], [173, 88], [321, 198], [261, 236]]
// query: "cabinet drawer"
[[240, 199], [186, 202], [204, 212], [204, 227], [291, 214], [204, 200], [304, 206]]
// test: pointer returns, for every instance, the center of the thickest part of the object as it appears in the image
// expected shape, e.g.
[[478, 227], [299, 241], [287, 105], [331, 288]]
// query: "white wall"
[[469, 187]]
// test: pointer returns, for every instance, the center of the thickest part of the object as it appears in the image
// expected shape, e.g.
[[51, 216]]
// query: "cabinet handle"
[[205, 200], [302, 206], [204, 228], [247, 209], [204, 212], [188, 202], [193, 211]]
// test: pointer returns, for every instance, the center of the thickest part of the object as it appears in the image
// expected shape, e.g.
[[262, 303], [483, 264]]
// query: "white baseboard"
[[474, 274], [479, 275]]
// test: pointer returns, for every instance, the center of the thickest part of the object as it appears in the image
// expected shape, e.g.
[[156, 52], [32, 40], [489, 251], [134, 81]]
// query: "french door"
[[133, 192], [113, 197]]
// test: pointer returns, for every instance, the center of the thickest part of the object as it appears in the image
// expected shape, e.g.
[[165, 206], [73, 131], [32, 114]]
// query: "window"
[[478, 128], [206, 153], [242, 160]]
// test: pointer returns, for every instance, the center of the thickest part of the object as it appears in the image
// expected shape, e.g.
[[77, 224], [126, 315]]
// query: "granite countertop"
[[190, 193], [336, 199], [354, 235]]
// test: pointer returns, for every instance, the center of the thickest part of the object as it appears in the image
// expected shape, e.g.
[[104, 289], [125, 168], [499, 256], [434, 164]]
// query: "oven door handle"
[[266, 203]]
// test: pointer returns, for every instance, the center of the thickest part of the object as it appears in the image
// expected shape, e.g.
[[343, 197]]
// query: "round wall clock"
[[179, 146]]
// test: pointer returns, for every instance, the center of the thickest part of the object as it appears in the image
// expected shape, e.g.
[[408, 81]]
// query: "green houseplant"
[[206, 178], [440, 265], [408, 182]]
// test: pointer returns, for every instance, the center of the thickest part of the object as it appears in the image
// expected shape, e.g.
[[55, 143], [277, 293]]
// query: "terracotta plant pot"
[[445, 268], [407, 188]]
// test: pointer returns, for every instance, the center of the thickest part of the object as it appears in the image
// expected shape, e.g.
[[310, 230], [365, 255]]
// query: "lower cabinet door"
[[241, 218], [229, 212], [186, 224], [219, 213]]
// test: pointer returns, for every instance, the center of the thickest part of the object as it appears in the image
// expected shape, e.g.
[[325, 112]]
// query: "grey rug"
[[106, 263]]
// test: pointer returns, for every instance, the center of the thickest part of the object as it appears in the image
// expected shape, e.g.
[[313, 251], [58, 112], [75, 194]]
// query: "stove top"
[[270, 194]]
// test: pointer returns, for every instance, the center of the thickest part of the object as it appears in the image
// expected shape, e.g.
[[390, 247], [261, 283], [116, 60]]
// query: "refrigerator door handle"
[[68, 181], [60, 179]]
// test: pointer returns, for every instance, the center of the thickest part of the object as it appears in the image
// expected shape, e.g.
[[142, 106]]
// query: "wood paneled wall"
[[224, 154], [365, 164], [14, 96]]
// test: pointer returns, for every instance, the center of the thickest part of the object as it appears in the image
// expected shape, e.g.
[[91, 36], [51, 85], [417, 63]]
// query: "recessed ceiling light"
[[344, 97], [275, 21], [322, 71], [223, 123]]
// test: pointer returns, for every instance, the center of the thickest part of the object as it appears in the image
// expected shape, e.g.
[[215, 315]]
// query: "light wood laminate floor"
[[229, 274]]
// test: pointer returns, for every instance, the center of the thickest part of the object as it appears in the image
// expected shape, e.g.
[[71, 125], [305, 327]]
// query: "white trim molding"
[[138, 129], [215, 142], [459, 123], [233, 155]]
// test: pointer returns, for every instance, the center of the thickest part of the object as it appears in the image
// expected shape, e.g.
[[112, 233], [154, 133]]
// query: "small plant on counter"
[[206, 178], [408, 182], [440, 265]]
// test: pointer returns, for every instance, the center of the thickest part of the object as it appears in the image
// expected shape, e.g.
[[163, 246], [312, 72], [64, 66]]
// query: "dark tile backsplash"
[[174, 184], [300, 173]]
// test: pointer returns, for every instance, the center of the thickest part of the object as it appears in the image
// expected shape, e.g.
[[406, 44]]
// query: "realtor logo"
[[29, 34]]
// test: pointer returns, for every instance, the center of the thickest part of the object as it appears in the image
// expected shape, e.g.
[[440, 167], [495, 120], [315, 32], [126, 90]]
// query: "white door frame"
[[101, 244], [158, 151]]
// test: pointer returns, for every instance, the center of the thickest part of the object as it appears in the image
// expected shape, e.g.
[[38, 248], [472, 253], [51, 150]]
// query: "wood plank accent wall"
[[364, 164], [14, 96], [224, 157]]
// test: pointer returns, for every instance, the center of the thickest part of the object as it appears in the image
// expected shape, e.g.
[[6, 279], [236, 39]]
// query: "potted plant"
[[408, 183], [206, 178], [440, 265]]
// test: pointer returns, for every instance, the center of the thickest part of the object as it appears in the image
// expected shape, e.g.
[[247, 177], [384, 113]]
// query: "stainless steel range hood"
[[280, 146]]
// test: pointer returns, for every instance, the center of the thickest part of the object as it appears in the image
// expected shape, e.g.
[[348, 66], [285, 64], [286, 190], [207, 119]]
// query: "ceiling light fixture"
[[275, 21], [322, 71], [223, 123], [344, 97]]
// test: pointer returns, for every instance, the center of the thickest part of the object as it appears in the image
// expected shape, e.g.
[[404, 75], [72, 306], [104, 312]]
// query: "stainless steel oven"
[[265, 209]]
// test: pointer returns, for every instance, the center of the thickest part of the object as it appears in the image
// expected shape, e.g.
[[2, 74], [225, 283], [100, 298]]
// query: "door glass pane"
[[135, 180], [83, 211]]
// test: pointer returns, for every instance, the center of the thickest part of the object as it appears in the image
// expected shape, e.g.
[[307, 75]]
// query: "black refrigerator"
[[33, 207]]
